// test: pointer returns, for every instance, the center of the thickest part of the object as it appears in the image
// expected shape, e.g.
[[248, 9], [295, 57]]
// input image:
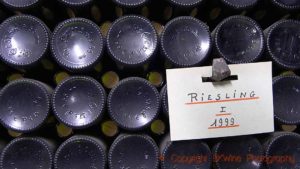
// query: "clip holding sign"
[[220, 72]]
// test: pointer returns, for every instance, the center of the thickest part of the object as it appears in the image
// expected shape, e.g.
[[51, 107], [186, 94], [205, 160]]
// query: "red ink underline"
[[224, 127], [227, 100], [224, 114]]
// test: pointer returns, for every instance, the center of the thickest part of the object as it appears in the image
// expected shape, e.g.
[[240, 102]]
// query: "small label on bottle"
[[240, 105]]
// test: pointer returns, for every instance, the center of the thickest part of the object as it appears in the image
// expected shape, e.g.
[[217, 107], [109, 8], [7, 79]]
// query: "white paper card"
[[200, 110]]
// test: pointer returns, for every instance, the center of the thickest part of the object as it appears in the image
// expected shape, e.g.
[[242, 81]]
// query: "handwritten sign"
[[200, 109]]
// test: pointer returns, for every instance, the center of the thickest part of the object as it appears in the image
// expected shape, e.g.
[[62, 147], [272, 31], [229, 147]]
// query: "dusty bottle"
[[243, 152], [282, 150], [239, 39], [77, 44], [132, 41], [134, 103], [24, 105], [286, 94], [79, 102], [282, 40], [186, 42], [133, 151], [24, 41], [28, 152], [79, 152], [184, 154]]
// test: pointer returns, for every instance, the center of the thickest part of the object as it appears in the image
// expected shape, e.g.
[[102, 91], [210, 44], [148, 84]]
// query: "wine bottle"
[[79, 152], [282, 150], [24, 41], [239, 39], [184, 154], [282, 38], [238, 152], [186, 42], [132, 41], [286, 93], [134, 103], [133, 151], [28, 152], [77, 44], [79, 101], [24, 105]]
